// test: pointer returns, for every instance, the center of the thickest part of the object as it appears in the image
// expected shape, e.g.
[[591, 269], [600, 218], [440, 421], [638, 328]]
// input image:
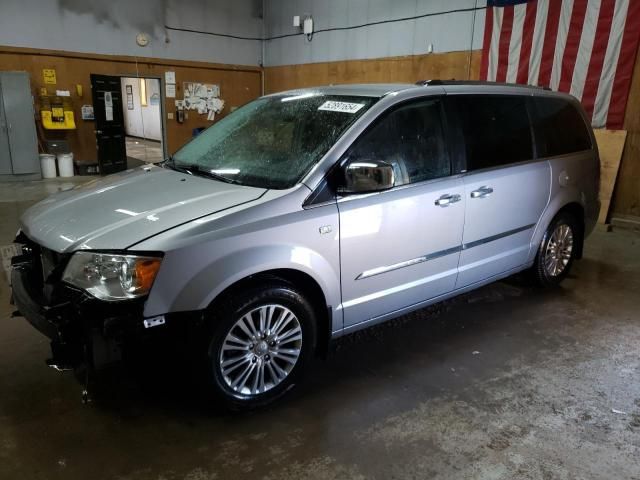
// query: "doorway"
[[141, 98]]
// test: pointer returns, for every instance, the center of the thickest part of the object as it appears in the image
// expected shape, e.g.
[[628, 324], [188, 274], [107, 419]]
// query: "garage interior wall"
[[440, 45], [79, 37]]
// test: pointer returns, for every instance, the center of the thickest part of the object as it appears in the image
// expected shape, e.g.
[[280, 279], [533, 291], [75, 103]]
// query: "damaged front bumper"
[[85, 331], [82, 330]]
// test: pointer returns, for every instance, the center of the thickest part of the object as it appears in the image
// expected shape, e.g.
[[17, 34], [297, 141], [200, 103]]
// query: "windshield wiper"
[[194, 169]]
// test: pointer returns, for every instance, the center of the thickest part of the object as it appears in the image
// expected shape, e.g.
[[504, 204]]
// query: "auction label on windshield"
[[345, 107]]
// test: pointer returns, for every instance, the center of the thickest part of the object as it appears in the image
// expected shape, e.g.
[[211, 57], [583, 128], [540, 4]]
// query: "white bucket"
[[65, 164], [48, 165]]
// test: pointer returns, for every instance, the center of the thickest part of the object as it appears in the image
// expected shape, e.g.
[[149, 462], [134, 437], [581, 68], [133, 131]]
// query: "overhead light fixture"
[[143, 92]]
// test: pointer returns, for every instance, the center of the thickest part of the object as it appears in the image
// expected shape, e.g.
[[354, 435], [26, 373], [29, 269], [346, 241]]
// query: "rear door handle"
[[482, 192], [447, 199]]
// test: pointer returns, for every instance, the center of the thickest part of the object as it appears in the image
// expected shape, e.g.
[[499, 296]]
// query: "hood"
[[122, 209]]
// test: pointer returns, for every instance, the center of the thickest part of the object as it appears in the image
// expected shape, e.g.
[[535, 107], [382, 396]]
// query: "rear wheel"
[[260, 344], [557, 251]]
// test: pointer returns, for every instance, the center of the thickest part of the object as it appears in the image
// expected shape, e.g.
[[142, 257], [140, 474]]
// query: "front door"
[[109, 121], [401, 247], [506, 189]]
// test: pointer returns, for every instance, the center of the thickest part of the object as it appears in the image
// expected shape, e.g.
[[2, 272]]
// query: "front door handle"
[[447, 199], [482, 192]]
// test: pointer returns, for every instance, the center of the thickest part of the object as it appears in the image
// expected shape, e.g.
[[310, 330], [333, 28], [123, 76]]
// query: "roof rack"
[[439, 82]]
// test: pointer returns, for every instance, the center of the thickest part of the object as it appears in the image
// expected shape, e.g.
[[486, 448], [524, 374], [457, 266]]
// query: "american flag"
[[583, 47]]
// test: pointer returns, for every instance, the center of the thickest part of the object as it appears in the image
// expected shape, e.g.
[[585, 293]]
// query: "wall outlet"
[[170, 115]]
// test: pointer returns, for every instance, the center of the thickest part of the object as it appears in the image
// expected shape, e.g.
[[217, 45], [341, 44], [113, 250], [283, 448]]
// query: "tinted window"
[[559, 127], [496, 129], [411, 139]]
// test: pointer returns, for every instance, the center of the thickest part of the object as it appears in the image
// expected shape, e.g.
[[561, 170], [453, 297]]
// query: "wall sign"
[[129, 97], [87, 112], [49, 76], [108, 107]]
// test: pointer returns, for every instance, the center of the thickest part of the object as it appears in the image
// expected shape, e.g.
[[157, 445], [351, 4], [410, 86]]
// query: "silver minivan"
[[304, 216]]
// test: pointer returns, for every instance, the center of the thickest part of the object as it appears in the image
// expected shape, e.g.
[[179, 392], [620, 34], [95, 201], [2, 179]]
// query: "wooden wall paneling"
[[452, 65], [610, 146], [626, 199], [238, 85]]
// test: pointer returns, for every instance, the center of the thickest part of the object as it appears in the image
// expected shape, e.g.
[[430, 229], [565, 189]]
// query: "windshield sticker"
[[345, 107]]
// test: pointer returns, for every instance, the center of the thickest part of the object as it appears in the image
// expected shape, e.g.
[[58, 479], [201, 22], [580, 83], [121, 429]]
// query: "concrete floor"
[[506, 382], [149, 151]]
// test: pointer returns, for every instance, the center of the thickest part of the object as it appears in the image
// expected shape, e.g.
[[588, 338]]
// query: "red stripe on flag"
[[573, 44], [527, 41], [549, 45], [600, 42], [624, 71], [486, 44], [505, 40]]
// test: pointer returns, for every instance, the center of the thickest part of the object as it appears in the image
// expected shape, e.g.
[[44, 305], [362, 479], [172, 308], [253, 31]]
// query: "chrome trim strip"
[[432, 256], [493, 238], [407, 263]]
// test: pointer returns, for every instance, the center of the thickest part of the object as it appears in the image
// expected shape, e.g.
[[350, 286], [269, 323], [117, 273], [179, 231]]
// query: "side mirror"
[[367, 176]]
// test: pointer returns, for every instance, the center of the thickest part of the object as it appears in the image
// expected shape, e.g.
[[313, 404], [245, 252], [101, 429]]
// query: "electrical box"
[[308, 26], [57, 113]]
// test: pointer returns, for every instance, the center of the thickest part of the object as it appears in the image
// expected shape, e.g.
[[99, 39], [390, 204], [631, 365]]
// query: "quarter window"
[[559, 127], [411, 139], [496, 129]]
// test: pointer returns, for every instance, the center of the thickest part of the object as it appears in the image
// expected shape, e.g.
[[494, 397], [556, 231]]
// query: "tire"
[[270, 365], [557, 251]]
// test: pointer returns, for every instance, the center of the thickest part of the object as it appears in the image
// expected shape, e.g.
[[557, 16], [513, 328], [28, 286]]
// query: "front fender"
[[245, 263], [211, 279]]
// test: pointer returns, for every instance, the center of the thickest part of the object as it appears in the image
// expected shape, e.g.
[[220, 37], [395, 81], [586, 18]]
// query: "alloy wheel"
[[559, 250], [261, 349]]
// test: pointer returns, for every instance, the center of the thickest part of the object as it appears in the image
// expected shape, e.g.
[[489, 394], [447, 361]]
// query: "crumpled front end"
[[83, 330]]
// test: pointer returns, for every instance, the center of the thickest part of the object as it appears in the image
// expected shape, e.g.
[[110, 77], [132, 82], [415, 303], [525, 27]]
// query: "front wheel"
[[557, 251], [261, 341]]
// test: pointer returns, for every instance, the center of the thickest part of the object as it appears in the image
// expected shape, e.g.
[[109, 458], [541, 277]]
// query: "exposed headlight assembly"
[[111, 276]]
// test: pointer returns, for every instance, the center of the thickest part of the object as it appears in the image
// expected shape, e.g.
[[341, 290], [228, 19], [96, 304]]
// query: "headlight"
[[110, 276]]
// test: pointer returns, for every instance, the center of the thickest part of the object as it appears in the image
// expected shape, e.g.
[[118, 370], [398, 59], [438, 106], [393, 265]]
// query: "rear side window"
[[559, 127], [495, 128], [411, 139]]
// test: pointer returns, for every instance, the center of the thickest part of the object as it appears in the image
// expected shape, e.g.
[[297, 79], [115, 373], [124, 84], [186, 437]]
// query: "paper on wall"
[[170, 90], [87, 112], [170, 77], [108, 107], [202, 97]]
